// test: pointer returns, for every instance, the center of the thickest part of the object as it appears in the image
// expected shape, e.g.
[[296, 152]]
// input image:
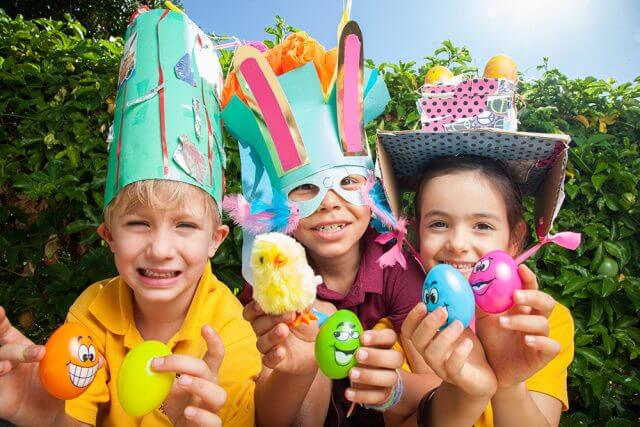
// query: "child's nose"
[[458, 240], [331, 201], [161, 246]]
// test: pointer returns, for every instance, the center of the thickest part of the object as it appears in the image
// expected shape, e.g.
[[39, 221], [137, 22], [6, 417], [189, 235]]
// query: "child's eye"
[[484, 226], [187, 225], [137, 223], [352, 182], [438, 224], [303, 192]]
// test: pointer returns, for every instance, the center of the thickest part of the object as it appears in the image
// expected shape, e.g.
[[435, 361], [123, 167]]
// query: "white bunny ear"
[[267, 100], [350, 91]]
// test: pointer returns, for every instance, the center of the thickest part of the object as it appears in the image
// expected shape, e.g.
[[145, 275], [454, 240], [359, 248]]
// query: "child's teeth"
[[331, 228], [155, 275]]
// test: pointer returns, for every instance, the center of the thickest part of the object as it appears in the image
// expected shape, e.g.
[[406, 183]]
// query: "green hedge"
[[56, 101]]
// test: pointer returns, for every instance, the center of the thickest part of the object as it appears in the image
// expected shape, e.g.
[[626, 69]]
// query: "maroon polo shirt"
[[376, 293]]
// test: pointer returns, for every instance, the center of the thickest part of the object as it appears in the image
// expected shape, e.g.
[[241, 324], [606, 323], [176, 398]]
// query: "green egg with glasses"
[[337, 343]]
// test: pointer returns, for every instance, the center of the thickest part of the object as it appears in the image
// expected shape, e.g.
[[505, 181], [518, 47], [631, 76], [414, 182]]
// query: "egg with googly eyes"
[[336, 344], [446, 287], [493, 280], [70, 362]]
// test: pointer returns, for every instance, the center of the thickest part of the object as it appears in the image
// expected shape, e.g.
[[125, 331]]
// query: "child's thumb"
[[215, 349]]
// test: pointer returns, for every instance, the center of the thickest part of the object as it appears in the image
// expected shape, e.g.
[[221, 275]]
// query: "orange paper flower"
[[296, 50]]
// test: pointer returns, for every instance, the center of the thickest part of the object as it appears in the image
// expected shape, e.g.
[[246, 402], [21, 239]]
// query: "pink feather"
[[239, 210]]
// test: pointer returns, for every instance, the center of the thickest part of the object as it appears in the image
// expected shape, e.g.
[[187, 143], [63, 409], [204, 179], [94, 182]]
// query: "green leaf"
[[591, 355]]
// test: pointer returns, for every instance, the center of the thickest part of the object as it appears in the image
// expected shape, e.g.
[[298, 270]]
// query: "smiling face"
[[70, 363], [463, 217], [337, 342], [493, 280], [445, 287], [336, 227], [161, 251]]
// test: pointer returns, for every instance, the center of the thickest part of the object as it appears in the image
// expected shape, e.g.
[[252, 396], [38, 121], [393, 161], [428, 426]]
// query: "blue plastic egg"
[[447, 287]]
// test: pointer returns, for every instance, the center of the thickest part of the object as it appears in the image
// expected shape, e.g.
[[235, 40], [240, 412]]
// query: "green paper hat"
[[293, 128], [167, 116]]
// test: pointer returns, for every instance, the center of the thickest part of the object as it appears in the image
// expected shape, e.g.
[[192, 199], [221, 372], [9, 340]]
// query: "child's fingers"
[[182, 364], [201, 417], [428, 328], [379, 358], [384, 338], [373, 377], [526, 323], [275, 336], [529, 279], [413, 319], [9, 334], [274, 357], [442, 344], [264, 323], [21, 353], [366, 396], [545, 345], [211, 395], [455, 363], [537, 300], [251, 311], [215, 350]]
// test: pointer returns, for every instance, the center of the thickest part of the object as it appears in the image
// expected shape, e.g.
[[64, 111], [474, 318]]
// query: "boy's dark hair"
[[496, 172]]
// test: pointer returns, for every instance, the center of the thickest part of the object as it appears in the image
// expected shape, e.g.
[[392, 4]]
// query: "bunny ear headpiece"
[[292, 132]]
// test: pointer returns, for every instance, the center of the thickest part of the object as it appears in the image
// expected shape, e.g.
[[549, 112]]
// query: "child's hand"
[[517, 343], [23, 399], [455, 354], [285, 349], [195, 397], [373, 378]]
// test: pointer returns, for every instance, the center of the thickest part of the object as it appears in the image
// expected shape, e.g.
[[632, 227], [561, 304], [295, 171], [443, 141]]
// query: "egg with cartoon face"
[[336, 344], [70, 362], [447, 287], [493, 280]]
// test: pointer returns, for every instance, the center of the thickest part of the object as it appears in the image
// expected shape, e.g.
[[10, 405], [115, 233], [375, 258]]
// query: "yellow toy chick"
[[283, 280]]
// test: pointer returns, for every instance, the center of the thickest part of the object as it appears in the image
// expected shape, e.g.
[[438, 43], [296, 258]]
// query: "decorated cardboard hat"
[[167, 117], [536, 161], [292, 131]]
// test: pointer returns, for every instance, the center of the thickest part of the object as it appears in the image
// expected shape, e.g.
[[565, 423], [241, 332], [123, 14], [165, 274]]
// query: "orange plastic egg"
[[70, 362]]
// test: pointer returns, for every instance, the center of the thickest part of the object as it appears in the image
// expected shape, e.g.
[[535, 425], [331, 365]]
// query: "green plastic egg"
[[140, 389], [336, 344]]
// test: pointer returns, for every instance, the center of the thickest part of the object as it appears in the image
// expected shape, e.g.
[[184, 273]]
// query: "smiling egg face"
[[336, 344], [493, 280], [70, 362], [447, 287]]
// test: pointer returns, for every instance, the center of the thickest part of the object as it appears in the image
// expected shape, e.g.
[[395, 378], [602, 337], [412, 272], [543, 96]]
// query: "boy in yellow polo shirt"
[[163, 192]]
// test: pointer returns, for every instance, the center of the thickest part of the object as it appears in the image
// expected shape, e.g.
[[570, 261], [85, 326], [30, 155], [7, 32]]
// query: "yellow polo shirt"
[[552, 379], [106, 309]]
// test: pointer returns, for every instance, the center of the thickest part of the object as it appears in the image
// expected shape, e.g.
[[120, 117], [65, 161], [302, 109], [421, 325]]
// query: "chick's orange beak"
[[279, 260]]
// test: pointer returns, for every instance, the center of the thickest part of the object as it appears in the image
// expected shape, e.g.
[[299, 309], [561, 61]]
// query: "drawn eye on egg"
[[433, 296], [83, 353], [482, 265], [92, 353]]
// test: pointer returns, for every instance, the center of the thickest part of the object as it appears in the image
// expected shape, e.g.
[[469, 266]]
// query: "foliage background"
[[56, 105]]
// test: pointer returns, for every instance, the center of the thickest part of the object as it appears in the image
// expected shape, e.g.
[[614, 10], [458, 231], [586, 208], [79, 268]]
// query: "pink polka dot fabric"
[[444, 104]]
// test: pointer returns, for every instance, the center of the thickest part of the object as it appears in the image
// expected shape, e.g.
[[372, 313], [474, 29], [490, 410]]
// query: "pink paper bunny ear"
[[350, 91], [267, 99]]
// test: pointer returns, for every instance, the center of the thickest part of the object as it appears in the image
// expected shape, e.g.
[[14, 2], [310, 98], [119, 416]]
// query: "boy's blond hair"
[[158, 194]]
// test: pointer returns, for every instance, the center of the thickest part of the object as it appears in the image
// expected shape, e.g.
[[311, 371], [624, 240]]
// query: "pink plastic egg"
[[493, 280]]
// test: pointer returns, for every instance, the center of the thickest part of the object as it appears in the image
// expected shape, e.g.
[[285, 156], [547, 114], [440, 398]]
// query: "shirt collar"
[[368, 279], [118, 318]]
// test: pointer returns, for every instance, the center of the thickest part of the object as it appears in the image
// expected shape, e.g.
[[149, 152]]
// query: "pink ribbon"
[[565, 239], [394, 255]]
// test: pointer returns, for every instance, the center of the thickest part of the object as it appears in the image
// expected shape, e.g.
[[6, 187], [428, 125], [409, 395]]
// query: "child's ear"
[[219, 234], [517, 239], [104, 232]]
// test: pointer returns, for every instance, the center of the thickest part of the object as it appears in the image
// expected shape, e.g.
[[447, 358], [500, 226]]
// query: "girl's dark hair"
[[495, 172]]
